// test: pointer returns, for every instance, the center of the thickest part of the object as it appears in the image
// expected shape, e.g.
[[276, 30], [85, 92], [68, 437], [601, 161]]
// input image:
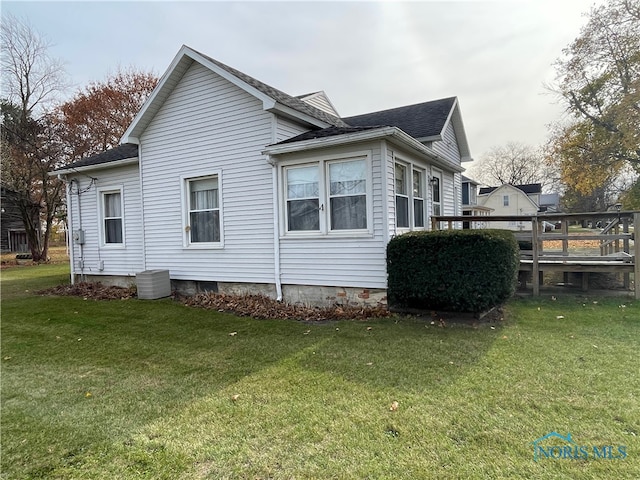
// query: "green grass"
[[143, 389]]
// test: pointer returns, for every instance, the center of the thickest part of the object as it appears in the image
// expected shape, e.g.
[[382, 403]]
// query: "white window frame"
[[101, 192], [185, 197], [323, 163], [436, 174], [505, 200], [410, 168]]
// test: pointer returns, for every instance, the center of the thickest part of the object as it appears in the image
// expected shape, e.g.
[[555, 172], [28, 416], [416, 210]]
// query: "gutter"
[[276, 229]]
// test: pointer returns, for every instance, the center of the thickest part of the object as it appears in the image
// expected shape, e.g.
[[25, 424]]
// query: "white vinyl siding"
[[209, 125], [97, 257], [448, 146], [286, 129]]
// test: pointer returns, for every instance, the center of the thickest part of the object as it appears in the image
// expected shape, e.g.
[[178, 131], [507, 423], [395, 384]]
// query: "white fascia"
[[99, 166]]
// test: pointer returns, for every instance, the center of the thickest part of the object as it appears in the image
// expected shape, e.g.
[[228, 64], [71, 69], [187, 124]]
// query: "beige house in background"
[[511, 200]]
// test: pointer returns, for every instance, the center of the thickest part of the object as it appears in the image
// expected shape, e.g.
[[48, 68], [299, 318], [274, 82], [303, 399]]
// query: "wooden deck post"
[[636, 253], [535, 274]]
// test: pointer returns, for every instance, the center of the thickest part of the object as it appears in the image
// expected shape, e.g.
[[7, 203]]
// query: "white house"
[[511, 200], [232, 185]]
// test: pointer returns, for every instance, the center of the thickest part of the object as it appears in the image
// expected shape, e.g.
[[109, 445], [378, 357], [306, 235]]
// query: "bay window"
[[402, 197], [327, 196], [409, 196]]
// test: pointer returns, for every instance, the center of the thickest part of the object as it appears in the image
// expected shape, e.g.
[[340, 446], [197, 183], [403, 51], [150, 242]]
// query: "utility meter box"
[[78, 237], [153, 284]]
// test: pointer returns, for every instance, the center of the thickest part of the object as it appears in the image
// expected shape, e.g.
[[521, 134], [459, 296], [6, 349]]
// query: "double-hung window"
[[327, 196], [348, 195], [418, 198], [203, 211], [402, 197], [409, 195], [111, 217]]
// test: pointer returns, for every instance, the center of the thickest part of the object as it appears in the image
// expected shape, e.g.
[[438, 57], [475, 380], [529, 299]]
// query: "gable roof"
[[126, 151], [272, 99], [529, 188], [319, 100], [423, 121]]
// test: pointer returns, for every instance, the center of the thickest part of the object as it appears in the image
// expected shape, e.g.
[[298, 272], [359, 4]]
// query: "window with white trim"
[[327, 196], [436, 193], [112, 217], [418, 198], [409, 196], [203, 210], [402, 196], [505, 200]]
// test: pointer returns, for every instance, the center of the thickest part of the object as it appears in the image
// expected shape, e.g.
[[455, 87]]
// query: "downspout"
[[144, 233], [276, 228], [70, 246]]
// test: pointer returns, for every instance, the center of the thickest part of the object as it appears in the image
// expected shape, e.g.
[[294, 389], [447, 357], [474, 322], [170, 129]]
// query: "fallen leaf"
[[394, 406], [369, 364], [7, 358], [369, 329], [88, 395], [594, 346], [553, 297], [450, 363], [233, 334], [559, 317], [504, 337], [235, 397], [307, 332]]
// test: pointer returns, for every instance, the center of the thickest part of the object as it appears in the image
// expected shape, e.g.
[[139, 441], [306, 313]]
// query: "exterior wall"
[[286, 129], [92, 258], [519, 204], [344, 261], [208, 125], [321, 101], [448, 146]]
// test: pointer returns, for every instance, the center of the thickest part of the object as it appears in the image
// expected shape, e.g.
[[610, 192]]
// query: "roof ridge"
[[277, 94]]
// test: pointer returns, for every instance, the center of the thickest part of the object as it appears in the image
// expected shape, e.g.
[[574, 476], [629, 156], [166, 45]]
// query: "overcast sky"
[[495, 56]]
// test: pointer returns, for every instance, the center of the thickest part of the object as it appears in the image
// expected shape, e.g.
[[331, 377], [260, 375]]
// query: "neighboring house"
[[549, 202], [470, 205], [511, 200], [232, 185], [12, 233]]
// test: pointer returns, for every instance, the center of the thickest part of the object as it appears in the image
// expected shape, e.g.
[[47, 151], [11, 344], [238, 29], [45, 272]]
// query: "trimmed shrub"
[[453, 270]]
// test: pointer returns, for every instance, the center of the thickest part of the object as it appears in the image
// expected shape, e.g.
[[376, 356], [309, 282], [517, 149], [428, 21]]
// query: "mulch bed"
[[93, 291]]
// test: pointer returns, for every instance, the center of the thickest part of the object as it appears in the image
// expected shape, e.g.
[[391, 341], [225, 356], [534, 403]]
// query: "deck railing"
[[616, 250]]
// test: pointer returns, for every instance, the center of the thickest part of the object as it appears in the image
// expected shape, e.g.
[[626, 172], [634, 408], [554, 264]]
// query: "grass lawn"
[[153, 389]]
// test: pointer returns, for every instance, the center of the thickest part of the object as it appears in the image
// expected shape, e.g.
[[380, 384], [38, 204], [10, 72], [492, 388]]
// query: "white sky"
[[495, 56]]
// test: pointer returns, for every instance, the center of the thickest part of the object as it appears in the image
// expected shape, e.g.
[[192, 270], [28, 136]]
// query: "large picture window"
[[203, 210], [326, 196], [111, 213]]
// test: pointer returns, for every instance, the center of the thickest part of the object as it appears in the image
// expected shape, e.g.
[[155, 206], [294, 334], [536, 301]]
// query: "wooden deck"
[[618, 252]]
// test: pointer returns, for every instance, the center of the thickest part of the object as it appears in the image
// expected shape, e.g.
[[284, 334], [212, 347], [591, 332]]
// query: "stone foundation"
[[308, 295]]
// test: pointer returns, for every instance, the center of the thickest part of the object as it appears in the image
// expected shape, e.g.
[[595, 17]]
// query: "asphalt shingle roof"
[[328, 132], [121, 152], [279, 96], [420, 121], [528, 188]]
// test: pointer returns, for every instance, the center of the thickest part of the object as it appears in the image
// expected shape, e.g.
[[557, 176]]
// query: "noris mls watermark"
[[559, 447]]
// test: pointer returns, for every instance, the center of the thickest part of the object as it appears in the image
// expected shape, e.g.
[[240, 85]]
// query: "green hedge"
[[453, 270]]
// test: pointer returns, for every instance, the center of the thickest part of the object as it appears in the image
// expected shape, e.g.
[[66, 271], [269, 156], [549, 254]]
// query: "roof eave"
[[393, 133], [296, 115], [98, 166]]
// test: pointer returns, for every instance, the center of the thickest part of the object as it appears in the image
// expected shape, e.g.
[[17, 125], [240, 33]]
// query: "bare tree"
[[31, 76], [514, 163], [29, 150]]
